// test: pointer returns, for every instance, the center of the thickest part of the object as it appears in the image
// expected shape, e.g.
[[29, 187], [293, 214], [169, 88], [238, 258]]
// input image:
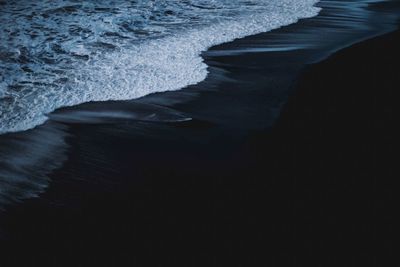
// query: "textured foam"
[[60, 53]]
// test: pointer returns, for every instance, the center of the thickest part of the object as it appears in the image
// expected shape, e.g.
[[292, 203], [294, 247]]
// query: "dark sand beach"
[[255, 177]]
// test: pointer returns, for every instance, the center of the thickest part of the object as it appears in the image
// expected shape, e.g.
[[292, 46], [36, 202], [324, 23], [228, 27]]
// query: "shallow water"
[[63, 53]]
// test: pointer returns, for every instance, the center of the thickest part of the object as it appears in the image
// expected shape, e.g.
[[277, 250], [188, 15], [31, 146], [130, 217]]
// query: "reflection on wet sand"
[[26, 160]]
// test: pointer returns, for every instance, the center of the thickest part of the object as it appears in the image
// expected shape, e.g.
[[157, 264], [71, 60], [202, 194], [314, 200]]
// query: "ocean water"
[[67, 52]]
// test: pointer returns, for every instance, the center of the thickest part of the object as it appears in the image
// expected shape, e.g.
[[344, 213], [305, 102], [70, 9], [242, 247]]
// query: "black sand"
[[314, 189]]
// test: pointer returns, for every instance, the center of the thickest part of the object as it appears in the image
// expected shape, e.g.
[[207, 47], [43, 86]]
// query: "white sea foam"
[[100, 56]]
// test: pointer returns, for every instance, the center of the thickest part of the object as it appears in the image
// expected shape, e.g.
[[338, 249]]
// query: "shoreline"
[[289, 173], [171, 62], [332, 148], [70, 114], [181, 192]]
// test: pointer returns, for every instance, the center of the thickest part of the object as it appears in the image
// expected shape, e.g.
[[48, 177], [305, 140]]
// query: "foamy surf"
[[61, 54]]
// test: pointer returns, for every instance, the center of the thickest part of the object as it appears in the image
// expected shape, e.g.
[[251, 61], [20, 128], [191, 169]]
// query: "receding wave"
[[59, 53], [26, 160]]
